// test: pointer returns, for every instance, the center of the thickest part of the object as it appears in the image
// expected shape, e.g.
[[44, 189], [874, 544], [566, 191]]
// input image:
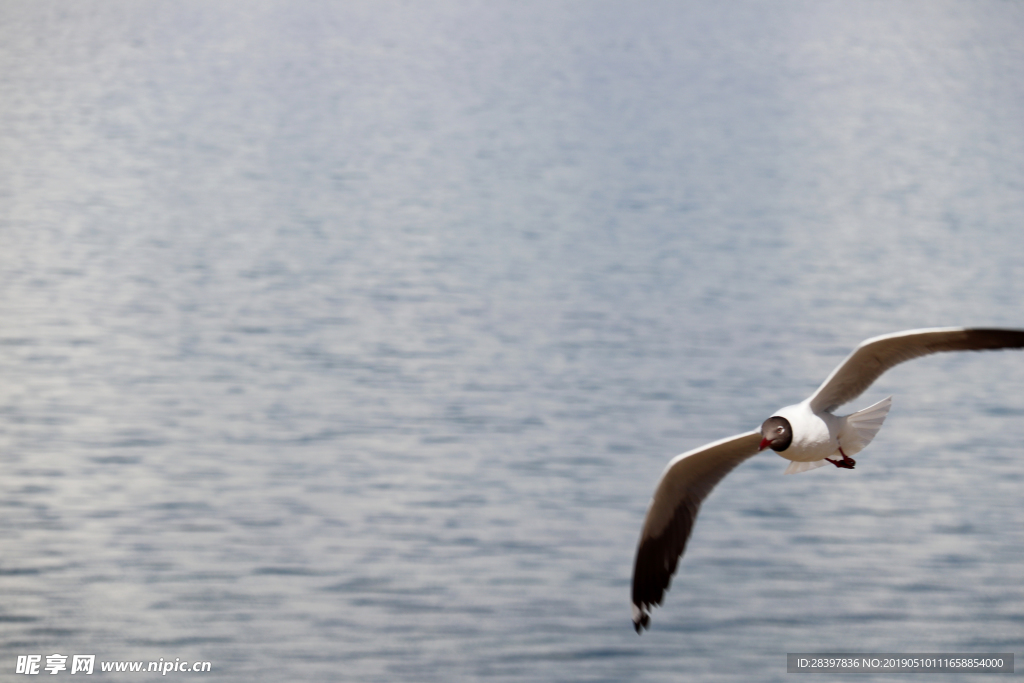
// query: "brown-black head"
[[777, 433]]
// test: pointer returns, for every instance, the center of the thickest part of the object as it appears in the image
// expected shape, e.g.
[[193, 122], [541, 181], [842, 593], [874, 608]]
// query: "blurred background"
[[346, 341]]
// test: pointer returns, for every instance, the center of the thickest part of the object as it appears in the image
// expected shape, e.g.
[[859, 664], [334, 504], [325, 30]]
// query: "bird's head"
[[777, 433]]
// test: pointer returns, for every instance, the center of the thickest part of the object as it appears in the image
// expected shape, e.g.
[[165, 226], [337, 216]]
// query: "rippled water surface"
[[347, 341]]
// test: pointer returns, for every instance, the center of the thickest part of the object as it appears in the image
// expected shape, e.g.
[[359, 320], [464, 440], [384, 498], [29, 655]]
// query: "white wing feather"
[[876, 355]]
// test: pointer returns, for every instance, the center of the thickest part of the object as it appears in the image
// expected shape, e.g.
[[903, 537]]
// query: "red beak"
[[764, 444]]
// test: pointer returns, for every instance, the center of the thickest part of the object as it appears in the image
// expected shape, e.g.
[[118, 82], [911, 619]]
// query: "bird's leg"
[[846, 463]]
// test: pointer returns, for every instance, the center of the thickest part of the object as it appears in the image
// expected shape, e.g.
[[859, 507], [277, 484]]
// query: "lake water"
[[347, 341]]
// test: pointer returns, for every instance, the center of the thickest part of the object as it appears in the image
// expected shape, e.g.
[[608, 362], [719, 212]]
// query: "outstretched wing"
[[687, 480], [876, 355]]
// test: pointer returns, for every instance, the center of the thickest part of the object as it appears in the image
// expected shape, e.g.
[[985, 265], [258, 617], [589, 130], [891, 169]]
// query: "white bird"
[[807, 434]]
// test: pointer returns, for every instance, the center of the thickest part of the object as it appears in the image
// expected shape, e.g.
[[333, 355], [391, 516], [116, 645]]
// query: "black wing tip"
[[656, 561], [961, 338], [642, 621], [995, 338]]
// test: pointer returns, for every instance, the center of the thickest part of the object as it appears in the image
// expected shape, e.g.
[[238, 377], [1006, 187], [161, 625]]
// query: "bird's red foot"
[[846, 463]]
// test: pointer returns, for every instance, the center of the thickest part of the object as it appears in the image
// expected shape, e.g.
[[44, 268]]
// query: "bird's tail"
[[798, 467], [862, 426]]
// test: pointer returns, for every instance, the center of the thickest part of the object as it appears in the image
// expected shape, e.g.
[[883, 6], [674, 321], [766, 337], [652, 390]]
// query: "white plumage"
[[817, 436]]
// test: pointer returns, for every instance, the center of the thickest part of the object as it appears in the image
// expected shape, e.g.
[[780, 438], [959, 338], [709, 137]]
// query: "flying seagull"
[[807, 434]]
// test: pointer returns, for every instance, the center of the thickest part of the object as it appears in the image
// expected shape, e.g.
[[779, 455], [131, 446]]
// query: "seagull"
[[807, 434]]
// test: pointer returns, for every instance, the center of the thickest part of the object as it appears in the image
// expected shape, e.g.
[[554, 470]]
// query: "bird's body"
[[808, 434], [816, 436]]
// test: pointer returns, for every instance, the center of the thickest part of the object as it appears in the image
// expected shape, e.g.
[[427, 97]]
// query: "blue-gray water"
[[347, 341]]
